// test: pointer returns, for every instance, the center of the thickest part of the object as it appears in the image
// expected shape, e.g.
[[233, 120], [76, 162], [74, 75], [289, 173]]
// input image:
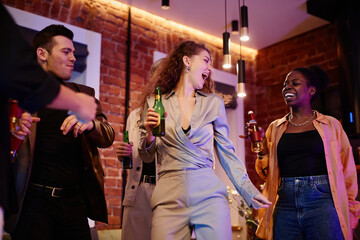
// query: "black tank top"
[[301, 154]]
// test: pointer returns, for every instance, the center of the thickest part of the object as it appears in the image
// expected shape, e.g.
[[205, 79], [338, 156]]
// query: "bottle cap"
[[252, 115]]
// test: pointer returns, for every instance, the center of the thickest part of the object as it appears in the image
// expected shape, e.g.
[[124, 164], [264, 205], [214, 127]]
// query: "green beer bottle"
[[126, 161], [159, 128]]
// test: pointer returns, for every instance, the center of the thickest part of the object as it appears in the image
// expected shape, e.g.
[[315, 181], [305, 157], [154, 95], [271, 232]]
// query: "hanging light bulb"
[[165, 4], [226, 46], [244, 30], [240, 67], [226, 50], [235, 27]]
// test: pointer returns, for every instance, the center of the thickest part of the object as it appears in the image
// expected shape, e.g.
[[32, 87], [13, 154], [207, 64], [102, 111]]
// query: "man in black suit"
[[63, 181], [21, 78]]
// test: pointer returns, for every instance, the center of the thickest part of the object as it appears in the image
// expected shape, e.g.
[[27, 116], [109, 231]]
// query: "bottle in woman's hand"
[[255, 134], [159, 128]]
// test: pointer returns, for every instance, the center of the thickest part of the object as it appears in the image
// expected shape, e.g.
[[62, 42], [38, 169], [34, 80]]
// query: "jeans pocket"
[[322, 187]]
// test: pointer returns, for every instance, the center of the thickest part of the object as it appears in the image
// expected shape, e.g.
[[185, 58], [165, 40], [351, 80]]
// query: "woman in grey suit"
[[188, 194]]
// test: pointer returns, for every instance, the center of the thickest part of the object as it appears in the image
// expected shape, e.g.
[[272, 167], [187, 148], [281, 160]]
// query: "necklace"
[[301, 124]]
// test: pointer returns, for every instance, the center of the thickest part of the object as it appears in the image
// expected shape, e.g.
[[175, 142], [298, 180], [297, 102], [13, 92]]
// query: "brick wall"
[[264, 75]]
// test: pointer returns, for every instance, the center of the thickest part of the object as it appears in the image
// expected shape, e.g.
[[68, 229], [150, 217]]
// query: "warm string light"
[[226, 45]]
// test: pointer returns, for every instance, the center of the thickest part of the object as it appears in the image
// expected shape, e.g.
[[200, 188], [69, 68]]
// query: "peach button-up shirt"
[[340, 167]]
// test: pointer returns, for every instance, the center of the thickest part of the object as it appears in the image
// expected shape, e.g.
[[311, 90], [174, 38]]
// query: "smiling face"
[[296, 91], [60, 60], [200, 69]]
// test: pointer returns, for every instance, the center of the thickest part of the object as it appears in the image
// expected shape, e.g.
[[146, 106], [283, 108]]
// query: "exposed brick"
[[115, 201], [110, 182], [112, 192], [113, 81], [111, 162], [63, 15], [114, 90], [117, 210], [116, 109], [113, 118], [114, 220], [45, 7], [113, 172]]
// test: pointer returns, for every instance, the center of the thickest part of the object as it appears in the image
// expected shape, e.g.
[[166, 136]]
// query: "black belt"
[[148, 179], [55, 191]]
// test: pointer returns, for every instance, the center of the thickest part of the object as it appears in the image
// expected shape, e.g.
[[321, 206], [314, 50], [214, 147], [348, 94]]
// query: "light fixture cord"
[[240, 25], [225, 16]]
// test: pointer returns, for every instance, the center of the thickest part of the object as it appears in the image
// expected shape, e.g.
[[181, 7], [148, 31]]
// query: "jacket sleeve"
[[21, 77], [146, 153], [262, 161], [102, 135], [233, 166], [350, 176]]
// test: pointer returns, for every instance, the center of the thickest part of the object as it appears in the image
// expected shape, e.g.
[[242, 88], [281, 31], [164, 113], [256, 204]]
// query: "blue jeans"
[[305, 210]]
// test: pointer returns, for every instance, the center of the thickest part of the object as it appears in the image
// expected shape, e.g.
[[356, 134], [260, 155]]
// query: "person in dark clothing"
[[59, 177], [22, 78]]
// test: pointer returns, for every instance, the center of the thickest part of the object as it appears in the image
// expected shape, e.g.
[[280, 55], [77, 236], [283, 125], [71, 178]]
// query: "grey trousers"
[[188, 199], [137, 219]]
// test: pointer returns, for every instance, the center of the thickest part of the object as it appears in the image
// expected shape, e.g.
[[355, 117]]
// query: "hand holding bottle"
[[20, 123], [124, 151], [255, 133]]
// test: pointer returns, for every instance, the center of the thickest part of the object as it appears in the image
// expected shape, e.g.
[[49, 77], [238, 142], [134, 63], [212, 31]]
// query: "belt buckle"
[[53, 192], [149, 179]]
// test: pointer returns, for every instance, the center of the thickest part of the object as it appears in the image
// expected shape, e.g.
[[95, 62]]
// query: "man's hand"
[[72, 123], [79, 104], [87, 108], [26, 121]]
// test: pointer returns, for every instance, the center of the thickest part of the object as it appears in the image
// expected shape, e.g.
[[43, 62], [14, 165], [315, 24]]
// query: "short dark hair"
[[316, 77], [44, 37]]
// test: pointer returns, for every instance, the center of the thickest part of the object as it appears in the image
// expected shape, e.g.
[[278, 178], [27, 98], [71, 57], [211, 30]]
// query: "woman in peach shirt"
[[309, 168]]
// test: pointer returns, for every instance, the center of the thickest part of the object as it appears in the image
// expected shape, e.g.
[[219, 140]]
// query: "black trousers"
[[45, 218]]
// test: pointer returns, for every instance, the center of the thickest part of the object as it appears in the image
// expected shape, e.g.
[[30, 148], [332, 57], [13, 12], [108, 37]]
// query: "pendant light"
[[235, 27], [226, 45], [244, 30], [165, 4], [240, 67]]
